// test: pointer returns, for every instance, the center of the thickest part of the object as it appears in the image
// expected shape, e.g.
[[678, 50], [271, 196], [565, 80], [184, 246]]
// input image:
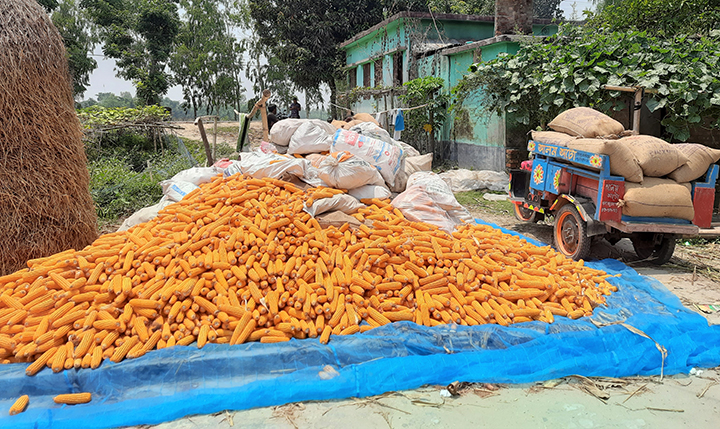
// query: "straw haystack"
[[45, 203]]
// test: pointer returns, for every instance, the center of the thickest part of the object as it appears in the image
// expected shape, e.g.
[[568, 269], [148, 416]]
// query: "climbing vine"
[[422, 125], [568, 69]]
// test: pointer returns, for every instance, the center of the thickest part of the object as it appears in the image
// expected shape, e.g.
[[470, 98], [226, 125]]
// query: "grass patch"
[[693, 242], [474, 199], [126, 177]]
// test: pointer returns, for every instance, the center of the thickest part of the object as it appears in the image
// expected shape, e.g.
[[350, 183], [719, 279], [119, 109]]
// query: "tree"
[[547, 9], [206, 62], [470, 7], [140, 35], [49, 5], [304, 34], [73, 26], [659, 17]]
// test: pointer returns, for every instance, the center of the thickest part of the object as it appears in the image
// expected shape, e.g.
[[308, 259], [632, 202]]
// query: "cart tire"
[[658, 254], [570, 233], [526, 215]]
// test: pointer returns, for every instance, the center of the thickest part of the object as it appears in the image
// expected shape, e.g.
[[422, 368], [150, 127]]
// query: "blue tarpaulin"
[[171, 383]]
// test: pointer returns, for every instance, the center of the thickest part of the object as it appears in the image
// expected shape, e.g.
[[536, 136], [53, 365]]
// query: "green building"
[[409, 45]]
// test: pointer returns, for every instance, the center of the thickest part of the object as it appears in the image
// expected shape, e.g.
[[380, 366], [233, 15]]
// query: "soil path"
[[227, 132]]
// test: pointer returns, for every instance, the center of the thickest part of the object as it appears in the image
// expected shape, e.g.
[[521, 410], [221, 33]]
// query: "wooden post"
[[637, 105], [208, 152], [261, 104], [214, 147], [637, 110]]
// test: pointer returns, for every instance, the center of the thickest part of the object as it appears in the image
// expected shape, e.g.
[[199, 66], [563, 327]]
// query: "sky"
[[103, 79]]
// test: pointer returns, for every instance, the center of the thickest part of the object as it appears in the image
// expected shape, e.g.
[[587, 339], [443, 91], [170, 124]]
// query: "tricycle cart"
[[577, 189]]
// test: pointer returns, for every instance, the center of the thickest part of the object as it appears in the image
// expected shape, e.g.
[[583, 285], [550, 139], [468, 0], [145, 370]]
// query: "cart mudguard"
[[585, 207]]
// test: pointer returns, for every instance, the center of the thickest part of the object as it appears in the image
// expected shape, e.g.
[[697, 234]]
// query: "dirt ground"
[[227, 132], [573, 402]]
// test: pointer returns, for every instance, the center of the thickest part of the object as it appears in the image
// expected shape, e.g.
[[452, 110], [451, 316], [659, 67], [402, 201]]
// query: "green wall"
[[473, 127]]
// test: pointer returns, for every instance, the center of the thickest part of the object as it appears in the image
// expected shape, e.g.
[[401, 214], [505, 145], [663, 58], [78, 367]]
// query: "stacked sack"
[[657, 173], [357, 156], [312, 138]]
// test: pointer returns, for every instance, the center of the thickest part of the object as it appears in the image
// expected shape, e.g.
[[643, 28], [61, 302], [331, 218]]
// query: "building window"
[[352, 77], [398, 68], [366, 75], [379, 72]]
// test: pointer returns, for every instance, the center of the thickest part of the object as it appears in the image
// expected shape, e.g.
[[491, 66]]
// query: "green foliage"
[[49, 5], [140, 35], [470, 7], [78, 39], [541, 8], [304, 34], [206, 62], [109, 100], [98, 115], [547, 9], [568, 69], [424, 91], [659, 17], [126, 179]]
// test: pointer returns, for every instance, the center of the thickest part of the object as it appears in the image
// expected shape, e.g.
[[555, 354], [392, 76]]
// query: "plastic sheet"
[[171, 383]]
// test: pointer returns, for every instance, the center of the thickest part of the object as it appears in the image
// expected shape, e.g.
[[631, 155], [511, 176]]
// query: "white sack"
[[311, 137], [429, 199], [342, 170], [145, 214], [413, 164], [260, 165], [409, 150], [340, 202], [466, 180], [373, 131], [387, 157], [282, 131], [312, 177], [175, 190], [410, 165], [370, 191], [197, 175]]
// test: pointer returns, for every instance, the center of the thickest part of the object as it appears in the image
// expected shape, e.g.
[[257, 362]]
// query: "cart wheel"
[[526, 215], [660, 253], [570, 233]]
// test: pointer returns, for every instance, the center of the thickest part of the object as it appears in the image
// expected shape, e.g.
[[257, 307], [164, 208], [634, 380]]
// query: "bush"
[[124, 181], [659, 17]]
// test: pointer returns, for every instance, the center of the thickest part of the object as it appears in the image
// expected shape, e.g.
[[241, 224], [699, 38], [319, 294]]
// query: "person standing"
[[295, 109], [272, 116]]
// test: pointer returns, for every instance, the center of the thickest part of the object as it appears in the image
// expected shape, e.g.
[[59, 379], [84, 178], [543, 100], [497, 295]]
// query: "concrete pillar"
[[513, 17]]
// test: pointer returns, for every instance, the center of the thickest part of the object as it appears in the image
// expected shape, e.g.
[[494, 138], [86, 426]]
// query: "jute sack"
[[552, 137], [699, 160], [658, 198], [365, 117], [586, 122], [350, 124], [656, 157], [622, 160]]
